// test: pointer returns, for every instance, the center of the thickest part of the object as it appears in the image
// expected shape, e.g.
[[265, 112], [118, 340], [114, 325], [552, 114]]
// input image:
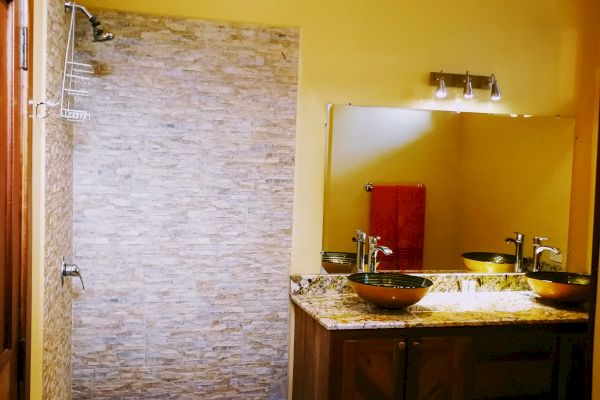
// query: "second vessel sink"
[[389, 290], [335, 262], [489, 262], [560, 286]]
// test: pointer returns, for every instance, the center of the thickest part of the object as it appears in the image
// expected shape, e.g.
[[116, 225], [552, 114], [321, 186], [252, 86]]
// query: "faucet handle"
[[373, 240], [537, 240], [519, 236], [359, 237], [70, 270]]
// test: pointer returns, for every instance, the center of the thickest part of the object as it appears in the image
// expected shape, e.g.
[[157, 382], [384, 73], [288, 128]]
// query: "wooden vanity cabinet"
[[400, 368], [508, 362], [379, 368]]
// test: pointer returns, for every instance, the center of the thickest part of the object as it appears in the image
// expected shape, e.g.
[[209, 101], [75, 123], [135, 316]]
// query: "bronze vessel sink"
[[489, 262], [389, 290], [335, 262], [560, 286]]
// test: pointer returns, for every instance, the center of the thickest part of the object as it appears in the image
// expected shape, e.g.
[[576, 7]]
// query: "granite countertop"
[[338, 311]]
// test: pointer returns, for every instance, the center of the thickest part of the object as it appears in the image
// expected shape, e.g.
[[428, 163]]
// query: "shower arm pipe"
[[98, 31], [73, 6]]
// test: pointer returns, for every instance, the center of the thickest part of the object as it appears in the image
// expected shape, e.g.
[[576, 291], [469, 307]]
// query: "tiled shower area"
[[182, 210]]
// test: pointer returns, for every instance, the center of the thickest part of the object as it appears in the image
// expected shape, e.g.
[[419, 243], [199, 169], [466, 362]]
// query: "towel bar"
[[369, 186]]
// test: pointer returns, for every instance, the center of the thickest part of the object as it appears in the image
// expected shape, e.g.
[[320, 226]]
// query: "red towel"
[[398, 216]]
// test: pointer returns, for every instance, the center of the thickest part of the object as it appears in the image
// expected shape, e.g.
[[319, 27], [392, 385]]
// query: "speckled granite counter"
[[442, 282], [348, 311], [340, 310]]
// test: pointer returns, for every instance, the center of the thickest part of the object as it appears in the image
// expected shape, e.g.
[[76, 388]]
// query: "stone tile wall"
[[56, 360], [183, 186]]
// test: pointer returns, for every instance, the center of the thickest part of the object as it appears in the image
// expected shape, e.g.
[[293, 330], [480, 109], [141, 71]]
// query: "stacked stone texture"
[[183, 191], [58, 172]]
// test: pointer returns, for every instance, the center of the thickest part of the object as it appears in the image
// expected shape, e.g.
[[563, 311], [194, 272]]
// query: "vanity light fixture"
[[468, 89], [466, 82], [441, 92], [496, 94]]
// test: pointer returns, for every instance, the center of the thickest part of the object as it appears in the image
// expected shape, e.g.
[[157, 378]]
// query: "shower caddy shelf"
[[74, 74]]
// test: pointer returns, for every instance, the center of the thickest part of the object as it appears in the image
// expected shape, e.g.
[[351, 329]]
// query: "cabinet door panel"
[[572, 367], [438, 368], [515, 364], [513, 378], [373, 369]]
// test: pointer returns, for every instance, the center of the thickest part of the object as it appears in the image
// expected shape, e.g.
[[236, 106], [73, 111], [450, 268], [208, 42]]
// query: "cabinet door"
[[439, 368], [515, 365], [373, 369], [571, 370]]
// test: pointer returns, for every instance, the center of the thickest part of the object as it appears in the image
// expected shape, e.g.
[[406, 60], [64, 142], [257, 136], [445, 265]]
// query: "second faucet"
[[361, 239]]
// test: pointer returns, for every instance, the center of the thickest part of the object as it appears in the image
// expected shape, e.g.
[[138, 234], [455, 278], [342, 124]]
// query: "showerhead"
[[99, 34]]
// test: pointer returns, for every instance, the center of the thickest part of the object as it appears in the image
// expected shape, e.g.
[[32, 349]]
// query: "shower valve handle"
[[70, 270]]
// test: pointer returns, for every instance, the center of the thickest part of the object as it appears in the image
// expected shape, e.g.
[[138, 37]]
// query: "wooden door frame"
[[18, 186], [25, 113]]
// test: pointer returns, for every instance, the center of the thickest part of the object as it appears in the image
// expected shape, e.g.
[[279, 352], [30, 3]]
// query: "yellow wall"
[[486, 176], [380, 53], [394, 146], [38, 204], [528, 161]]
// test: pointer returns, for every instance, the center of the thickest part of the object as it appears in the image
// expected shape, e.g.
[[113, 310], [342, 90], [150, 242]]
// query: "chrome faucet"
[[360, 239], [373, 250], [518, 240], [538, 249]]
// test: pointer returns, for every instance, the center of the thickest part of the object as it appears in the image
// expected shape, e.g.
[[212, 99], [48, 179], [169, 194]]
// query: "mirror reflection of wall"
[[486, 176]]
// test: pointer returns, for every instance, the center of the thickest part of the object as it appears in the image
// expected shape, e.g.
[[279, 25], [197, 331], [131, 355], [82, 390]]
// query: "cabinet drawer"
[[517, 346]]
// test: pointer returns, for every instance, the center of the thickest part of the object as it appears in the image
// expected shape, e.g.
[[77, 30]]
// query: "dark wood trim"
[[298, 376], [5, 83], [10, 205], [15, 150]]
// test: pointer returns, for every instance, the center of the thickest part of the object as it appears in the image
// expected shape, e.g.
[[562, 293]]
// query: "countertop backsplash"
[[442, 282]]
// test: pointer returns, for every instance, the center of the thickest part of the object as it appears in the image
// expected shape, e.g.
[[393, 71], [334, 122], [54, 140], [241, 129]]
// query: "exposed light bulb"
[[441, 92], [468, 89], [496, 94]]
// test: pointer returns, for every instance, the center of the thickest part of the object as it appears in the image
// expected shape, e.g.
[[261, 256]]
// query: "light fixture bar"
[[458, 80]]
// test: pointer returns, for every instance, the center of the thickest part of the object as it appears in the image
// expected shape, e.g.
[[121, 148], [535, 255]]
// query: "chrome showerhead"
[[99, 34]]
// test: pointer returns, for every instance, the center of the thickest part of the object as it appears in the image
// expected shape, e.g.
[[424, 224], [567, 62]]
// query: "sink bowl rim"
[[545, 276], [487, 261], [338, 262], [471, 255], [338, 256], [542, 284], [390, 296], [425, 283]]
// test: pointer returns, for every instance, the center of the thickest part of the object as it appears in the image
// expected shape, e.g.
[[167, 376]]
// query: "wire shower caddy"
[[74, 74]]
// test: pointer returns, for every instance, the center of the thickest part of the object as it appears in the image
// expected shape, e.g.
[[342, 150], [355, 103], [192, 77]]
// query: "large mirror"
[[486, 176]]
